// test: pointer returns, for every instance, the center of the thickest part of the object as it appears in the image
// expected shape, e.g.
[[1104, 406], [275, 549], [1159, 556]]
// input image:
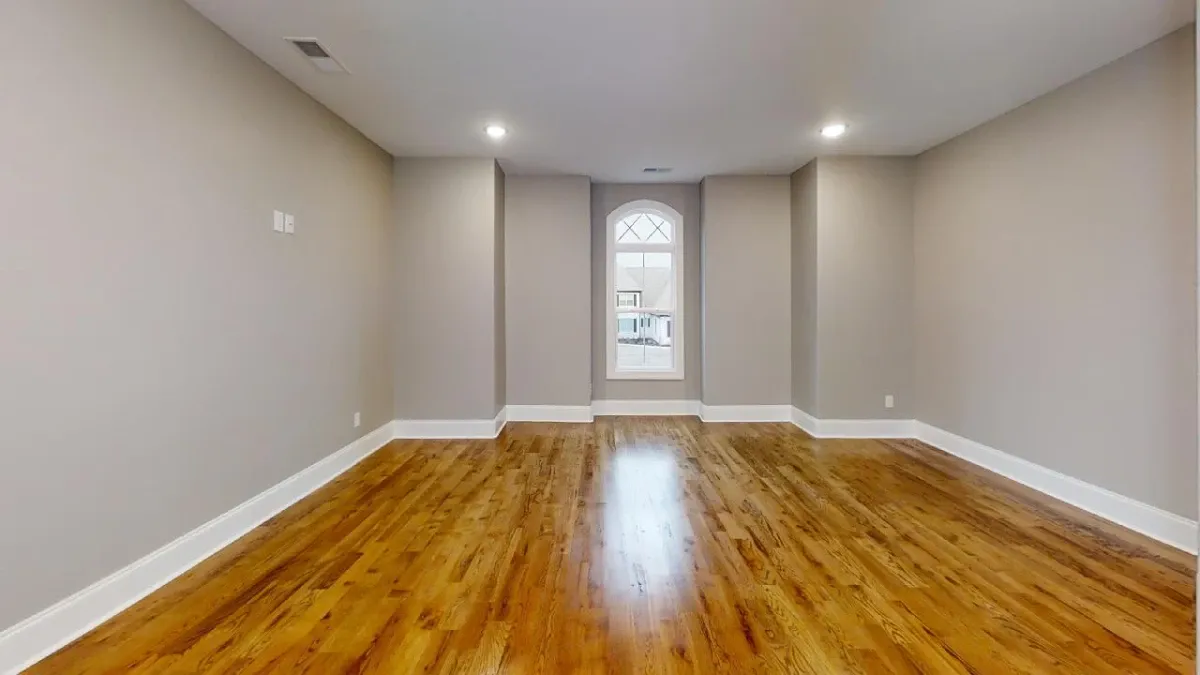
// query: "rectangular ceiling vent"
[[657, 169], [318, 55]]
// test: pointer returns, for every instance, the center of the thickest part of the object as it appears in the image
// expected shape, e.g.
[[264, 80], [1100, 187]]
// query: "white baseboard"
[[810, 424], [746, 413], [583, 413], [866, 428], [819, 428], [51, 629], [1151, 521], [465, 429], [549, 413], [613, 407]]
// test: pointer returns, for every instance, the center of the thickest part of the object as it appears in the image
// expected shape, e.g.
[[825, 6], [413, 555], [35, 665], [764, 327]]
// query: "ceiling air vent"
[[318, 55], [657, 169]]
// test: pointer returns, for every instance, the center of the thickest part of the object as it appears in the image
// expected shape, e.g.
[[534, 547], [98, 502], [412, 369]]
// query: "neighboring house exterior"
[[644, 288]]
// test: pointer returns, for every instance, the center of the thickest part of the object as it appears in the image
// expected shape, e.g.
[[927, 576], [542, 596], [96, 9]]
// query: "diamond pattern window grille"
[[643, 228]]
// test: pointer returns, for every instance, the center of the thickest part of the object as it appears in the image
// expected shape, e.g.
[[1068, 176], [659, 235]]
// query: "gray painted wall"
[[165, 354], [684, 198], [548, 258], [804, 288], [747, 316], [1055, 283], [852, 287], [864, 287], [500, 356], [445, 299]]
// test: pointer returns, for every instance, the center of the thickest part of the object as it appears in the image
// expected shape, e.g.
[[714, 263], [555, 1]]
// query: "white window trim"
[[676, 249]]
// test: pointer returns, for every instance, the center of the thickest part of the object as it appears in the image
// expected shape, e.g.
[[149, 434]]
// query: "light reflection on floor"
[[646, 532]]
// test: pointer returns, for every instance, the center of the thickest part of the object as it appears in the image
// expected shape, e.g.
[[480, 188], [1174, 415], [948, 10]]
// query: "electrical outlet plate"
[[289, 223], [889, 401]]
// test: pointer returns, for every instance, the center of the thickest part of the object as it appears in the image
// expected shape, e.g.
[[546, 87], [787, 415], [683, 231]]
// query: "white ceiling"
[[607, 87]]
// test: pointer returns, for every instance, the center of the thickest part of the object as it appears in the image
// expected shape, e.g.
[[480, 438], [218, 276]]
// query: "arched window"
[[645, 285]]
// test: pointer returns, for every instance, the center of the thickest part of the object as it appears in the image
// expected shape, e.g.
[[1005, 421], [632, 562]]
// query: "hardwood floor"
[[665, 545]]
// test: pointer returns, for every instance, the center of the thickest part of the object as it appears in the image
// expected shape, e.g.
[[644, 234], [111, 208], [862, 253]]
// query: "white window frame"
[[675, 248]]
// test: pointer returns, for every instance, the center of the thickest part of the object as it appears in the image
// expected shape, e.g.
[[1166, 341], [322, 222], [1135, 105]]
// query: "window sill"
[[667, 375]]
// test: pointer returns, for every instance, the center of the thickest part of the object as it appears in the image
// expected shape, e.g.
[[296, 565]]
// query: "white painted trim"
[[676, 248], [746, 413], [866, 428], [1151, 521], [808, 423], [51, 629], [819, 428], [453, 429], [499, 423], [549, 413], [614, 407]]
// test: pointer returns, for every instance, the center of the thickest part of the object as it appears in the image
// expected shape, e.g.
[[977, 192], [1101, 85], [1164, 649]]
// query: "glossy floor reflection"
[[646, 535], [664, 545]]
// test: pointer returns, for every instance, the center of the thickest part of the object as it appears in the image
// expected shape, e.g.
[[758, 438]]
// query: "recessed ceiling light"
[[833, 130], [495, 131]]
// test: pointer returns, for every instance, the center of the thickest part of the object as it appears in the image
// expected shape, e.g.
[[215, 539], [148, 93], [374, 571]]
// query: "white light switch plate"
[[279, 221], [357, 420], [289, 223], [889, 401]]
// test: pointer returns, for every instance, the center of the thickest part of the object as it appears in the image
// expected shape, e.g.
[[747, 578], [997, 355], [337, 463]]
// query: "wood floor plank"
[[665, 545]]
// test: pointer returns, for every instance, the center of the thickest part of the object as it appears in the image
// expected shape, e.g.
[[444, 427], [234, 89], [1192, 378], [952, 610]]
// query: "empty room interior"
[[659, 336]]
